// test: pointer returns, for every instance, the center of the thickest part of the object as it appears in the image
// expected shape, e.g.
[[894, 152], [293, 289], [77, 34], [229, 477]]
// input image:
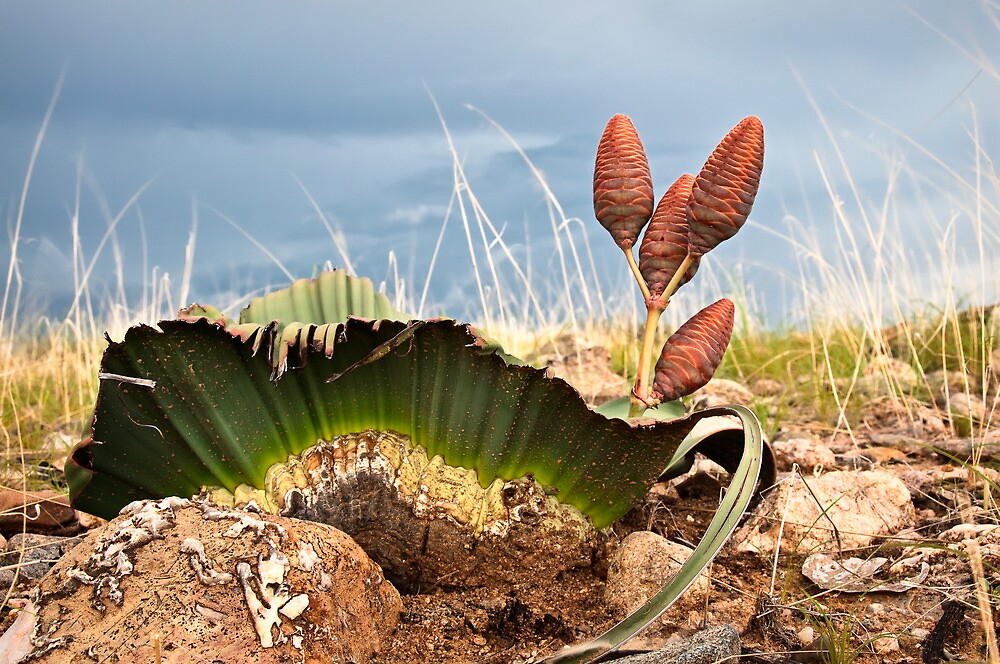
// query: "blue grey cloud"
[[221, 106]]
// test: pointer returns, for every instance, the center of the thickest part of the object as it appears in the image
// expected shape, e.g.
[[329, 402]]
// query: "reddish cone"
[[665, 242], [623, 188], [693, 353], [724, 191]]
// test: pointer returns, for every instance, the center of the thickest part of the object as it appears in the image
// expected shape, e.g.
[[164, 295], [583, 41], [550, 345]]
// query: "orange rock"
[[36, 512]]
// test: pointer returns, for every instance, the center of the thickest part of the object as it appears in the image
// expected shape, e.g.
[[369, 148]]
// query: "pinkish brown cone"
[[623, 188], [665, 242], [693, 353], [724, 191]]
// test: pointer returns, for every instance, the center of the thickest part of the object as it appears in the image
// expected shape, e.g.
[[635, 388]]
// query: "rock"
[[965, 405], [888, 375], [714, 644], [807, 453], [883, 455], [588, 370], [993, 372], [885, 645], [862, 506], [942, 383], [36, 512], [639, 567], [987, 446], [767, 387], [857, 575], [30, 556], [721, 392], [213, 584], [918, 482]]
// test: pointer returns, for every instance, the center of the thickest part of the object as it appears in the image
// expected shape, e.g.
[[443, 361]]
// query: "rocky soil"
[[868, 549]]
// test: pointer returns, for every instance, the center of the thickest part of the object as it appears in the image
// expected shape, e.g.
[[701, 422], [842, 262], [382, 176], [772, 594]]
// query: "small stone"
[[36, 512], [721, 392], [767, 387], [32, 555], [588, 370], [918, 482], [862, 505], [639, 567], [807, 453], [885, 645], [965, 405], [714, 644], [883, 455], [941, 383], [888, 375]]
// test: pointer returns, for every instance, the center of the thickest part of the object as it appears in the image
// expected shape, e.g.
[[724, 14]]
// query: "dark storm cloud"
[[218, 104]]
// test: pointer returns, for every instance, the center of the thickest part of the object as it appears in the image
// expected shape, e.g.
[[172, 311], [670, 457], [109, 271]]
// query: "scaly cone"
[[665, 243], [623, 188], [693, 353], [724, 191]]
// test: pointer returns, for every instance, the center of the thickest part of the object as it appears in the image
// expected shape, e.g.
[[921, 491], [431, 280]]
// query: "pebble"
[[721, 392], [639, 567], [862, 505], [805, 452], [36, 512], [40, 553], [714, 644]]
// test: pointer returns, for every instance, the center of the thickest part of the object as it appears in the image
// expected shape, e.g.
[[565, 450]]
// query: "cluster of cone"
[[694, 216]]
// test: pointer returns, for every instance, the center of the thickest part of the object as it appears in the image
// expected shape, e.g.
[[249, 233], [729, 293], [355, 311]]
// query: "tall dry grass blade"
[[336, 235], [436, 253], [108, 234], [15, 242], [458, 185], [112, 235], [255, 242], [189, 256], [553, 204], [483, 222]]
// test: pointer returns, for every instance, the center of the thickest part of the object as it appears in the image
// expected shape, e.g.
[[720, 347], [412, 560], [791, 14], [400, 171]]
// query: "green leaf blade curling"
[[216, 418]]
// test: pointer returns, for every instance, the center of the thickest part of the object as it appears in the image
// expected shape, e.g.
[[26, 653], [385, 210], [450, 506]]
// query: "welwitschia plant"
[[210, 403], [695, 214]]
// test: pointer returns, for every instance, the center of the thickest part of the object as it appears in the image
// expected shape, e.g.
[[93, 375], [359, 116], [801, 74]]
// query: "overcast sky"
[[223, 108]]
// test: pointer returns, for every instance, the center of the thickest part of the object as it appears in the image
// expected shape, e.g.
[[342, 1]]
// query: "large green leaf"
[[193, 405], [329, 298]]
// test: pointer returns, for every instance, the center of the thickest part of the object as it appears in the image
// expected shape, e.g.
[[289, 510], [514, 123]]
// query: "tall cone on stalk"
[[623, 188], [665, 243], [724, 191], [693, 353]]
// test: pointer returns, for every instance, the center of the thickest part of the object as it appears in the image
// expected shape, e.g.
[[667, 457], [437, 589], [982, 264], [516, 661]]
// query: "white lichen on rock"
[[270, 597], [214, 583], [201, 565], [113, 554]]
